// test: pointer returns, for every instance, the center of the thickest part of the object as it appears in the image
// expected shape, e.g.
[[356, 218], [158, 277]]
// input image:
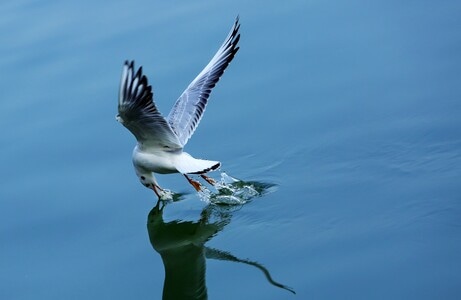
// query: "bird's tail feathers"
[[186, 164]]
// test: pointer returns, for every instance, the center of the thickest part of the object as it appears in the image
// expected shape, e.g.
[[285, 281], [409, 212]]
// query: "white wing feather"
[[188, 109]]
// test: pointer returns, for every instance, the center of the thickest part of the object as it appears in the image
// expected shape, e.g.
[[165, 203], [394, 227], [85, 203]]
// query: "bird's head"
[[147, 180]]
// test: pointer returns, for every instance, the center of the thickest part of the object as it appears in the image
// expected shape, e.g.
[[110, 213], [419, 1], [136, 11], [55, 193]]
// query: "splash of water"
[[227, 191], [231, 191]]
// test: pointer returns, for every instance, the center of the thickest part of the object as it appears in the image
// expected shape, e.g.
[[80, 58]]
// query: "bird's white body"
[[160, 162], [163, 162], [160, 140]]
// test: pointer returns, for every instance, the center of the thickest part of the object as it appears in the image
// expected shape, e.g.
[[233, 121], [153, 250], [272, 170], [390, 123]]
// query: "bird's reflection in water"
[[181, 244]]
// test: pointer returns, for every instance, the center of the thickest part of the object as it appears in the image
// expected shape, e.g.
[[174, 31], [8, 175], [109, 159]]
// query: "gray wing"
[[137, 111], [188, 109]]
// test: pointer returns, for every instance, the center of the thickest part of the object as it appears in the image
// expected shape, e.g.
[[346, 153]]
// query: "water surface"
[[349, 111]]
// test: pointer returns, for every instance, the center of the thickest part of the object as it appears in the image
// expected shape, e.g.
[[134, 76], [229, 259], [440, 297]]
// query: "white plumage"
[[160, 140]]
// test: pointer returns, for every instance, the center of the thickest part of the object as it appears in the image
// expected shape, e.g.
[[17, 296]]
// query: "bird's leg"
[[197, 186], [208, 179]]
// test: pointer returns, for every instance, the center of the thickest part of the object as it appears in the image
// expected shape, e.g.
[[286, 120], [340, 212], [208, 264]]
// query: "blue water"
[[349, 112]]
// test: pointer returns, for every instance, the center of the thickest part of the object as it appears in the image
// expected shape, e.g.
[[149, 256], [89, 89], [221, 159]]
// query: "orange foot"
[[197, 186], [208, 179]]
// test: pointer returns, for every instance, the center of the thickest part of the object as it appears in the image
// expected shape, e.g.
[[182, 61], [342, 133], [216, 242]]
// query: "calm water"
[[350, 110]]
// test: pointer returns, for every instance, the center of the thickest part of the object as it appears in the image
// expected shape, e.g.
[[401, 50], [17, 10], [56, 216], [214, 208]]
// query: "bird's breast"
[[158, 162]]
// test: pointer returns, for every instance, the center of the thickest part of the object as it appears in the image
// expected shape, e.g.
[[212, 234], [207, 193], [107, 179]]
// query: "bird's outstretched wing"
[[138, 113], [188, 109]]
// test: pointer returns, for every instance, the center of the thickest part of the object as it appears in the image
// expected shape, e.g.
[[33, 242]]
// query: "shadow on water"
[[181, 244]]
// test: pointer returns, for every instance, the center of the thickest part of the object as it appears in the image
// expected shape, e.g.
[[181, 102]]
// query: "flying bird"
[[160, 140]]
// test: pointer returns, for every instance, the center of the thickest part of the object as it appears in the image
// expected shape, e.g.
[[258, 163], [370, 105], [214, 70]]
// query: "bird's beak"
[[154, 188]]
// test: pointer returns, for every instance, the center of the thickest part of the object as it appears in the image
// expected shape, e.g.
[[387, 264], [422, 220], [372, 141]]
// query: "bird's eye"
[[143, 178]]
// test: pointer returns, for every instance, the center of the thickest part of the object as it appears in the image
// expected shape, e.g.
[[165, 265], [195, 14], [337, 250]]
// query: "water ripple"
[[231, 191]]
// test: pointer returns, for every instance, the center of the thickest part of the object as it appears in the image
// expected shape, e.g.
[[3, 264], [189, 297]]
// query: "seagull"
[[160, 140]]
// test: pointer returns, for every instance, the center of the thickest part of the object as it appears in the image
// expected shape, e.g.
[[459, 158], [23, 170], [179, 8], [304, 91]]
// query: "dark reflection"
[[181, 244]]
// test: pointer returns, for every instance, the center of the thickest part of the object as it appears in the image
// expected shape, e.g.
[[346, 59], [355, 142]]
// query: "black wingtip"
[[212, 168], [129, 63], [139, 72]]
